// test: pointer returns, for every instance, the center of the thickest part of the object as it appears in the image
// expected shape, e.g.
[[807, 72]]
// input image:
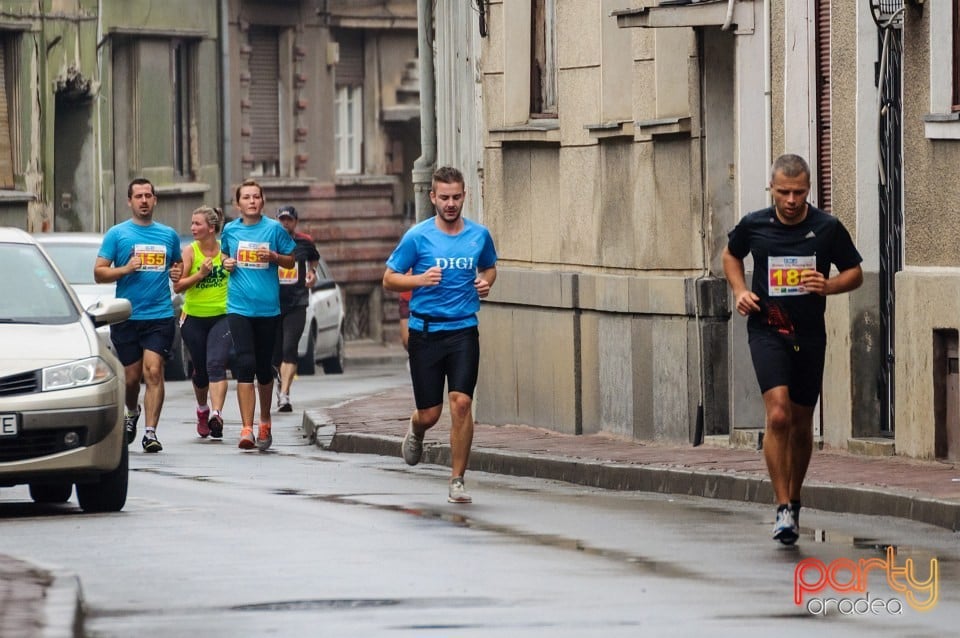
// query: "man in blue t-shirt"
[[141, 256], [452, 265]]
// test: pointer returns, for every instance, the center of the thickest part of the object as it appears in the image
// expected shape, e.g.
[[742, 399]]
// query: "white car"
[[61, 388], [75, 254], [322, 340]]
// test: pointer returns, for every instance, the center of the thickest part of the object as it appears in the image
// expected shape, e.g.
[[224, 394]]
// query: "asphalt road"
[[304, 542]]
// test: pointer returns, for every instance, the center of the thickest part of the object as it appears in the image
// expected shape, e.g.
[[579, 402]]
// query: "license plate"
[[8, 425]]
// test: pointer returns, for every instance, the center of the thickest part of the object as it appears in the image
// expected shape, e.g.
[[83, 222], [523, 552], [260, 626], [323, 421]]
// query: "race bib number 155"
[[247, 254], [152, 256]]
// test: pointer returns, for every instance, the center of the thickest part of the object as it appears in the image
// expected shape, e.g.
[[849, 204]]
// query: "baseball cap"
[[287, 211]]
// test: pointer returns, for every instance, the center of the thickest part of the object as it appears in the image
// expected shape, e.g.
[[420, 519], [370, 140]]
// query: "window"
[[943, 121], [616, 67], [348, 104], [180, 63], [956, 56], [543, 59], [348, 126], [7, 78], [264, 100]]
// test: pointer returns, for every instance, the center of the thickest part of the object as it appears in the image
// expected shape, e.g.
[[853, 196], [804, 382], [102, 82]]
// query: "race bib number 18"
[[783, 274], [152, 256], [247, 254]]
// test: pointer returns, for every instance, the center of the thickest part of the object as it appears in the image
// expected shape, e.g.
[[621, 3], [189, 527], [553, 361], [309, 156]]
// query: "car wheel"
[[51, 492], [178, 367], [334, 365], [306, 363], [110, 493]]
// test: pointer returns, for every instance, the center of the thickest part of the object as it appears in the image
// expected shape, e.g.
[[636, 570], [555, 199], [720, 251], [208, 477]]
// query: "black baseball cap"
[[287, 211]]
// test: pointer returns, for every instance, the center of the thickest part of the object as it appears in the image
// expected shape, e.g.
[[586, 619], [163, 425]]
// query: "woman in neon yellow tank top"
[[204, 326]]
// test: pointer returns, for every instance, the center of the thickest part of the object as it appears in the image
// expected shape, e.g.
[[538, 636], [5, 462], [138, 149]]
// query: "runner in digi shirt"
[[449, 264], [254, 248], [793, 246], [142, 256]]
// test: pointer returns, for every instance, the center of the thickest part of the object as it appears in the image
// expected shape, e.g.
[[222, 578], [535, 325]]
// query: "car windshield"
[[74, 260], [32, 293]]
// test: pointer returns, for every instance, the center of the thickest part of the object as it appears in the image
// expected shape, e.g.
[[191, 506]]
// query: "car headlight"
[[75, 374]]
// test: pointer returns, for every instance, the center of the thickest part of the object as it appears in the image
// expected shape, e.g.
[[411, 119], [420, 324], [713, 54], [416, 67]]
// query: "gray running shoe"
[[785, 529], [412, 447], [458, 493], [264, 438]]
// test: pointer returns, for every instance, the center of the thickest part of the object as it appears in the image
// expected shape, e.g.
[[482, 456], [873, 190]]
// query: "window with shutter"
[[543, 59], [348, 103], [350, 67], [956, 56], [181, 73], [6, 150], [265, 100], [824, 143]]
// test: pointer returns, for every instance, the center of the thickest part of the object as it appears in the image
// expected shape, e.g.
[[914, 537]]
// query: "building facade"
[[620, 145], [319, 101]]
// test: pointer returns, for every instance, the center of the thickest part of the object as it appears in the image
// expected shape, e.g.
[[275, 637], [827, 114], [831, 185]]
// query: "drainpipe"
[[767, 90], [226, 148], [424, 165], [100, 222], [728, 20]]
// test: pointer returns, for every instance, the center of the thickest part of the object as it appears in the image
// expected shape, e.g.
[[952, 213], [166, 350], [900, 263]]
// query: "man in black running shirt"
[[793, 246]]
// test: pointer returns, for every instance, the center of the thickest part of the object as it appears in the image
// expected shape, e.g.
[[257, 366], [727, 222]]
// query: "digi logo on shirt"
[[455, 263]]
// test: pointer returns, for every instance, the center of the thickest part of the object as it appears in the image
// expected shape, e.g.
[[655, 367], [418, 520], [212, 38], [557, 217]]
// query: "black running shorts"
[[794, 362], [451, 355], [131, 337]]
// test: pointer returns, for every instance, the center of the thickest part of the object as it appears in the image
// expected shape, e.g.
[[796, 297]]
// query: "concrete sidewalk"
[[923, 491]]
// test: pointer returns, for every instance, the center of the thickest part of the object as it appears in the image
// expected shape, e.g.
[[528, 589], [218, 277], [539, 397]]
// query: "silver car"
[[75, 255], [61, 388]]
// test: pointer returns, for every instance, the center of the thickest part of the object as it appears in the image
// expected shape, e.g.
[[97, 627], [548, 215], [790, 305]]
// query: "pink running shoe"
[[203, 428]]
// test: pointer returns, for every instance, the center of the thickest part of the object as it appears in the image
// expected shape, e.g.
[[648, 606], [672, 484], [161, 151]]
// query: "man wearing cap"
[[295, 285]]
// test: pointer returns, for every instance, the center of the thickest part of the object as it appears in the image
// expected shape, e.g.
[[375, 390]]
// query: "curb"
[[63, 611], [37, 600], [666, 480]]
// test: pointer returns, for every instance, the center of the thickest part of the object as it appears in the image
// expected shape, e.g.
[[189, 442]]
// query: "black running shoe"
[[150, 442], [215, 423], [130, 426]]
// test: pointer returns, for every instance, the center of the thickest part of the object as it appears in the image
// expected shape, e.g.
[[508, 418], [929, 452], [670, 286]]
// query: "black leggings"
[[253, 339], [290, 328], [208, 340]]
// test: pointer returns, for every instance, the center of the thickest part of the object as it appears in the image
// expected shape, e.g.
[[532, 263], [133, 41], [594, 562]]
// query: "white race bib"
[[153, 257], [247, 255], [783, 274]]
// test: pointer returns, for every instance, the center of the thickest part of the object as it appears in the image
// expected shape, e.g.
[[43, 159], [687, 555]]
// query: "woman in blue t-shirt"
[[253, 248]]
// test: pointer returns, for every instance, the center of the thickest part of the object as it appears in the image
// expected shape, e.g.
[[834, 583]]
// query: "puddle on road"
[[643, 563]]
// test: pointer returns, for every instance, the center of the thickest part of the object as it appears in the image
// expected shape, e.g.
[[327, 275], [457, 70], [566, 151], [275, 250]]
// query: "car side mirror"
[[109, 311]]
